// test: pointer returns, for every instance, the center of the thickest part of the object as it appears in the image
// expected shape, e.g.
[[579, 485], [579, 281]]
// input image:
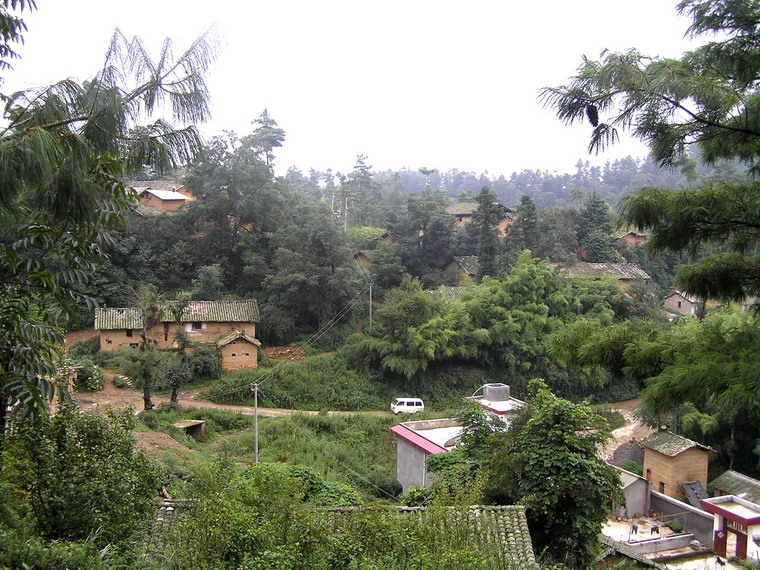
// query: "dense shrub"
[[84, 348], [87, 478], [89, 376], [319, 382]]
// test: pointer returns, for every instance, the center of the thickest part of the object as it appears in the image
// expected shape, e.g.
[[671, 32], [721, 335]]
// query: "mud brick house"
[[671, 461], [231, 325], [623, 273], [164, 195], [463, 212]]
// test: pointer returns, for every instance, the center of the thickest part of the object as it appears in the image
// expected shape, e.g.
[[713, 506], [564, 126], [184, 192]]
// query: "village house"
[[231, 325], [164, 195], [737, 516], [672, 462], [630, 239], [364, 258], [734, 483], [463, 212], [679, 302], [418, 440], [465, 266], [623, 273]]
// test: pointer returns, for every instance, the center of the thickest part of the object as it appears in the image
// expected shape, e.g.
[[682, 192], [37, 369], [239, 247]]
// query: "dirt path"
[[111, 396], [633, 429]]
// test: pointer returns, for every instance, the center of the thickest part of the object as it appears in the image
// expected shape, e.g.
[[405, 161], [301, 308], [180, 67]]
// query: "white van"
[[407, 405]]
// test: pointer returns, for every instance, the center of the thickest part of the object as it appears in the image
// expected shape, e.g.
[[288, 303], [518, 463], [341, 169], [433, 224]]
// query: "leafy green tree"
[[81, 475], [548, 461], [64, 150], [314, 276], [523, 233], [705, 100], [486, 219], [266, 137]]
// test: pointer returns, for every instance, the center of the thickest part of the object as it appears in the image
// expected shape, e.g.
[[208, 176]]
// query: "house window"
[[246, 354], [233, 354], [679, 304], [129, 332], [197, 326], [133, 345], [166, 332]]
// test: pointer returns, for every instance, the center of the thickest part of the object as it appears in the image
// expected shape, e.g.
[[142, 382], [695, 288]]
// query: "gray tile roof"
[[234, 336], [504, 527], [598, 270], [670, 444], [245, 311], [733, 483], [468, 208], [126, 318], [468, 263]]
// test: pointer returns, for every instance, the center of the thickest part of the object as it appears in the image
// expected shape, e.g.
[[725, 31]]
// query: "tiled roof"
[[689, 298], [245, 311], [597, 270], [368, 253], [499, 531], [171, 185], [468, 263], [670, 444], [234, 336], [733, 483], [468, 208], [127, 318], [462, 208]]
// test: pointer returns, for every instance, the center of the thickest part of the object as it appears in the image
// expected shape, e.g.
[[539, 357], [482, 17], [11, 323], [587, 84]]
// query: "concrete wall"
[[695, 521], [636, 500], [411, 466]]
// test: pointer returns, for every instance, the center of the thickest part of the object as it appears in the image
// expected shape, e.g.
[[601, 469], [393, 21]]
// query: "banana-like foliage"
[[65, 150]]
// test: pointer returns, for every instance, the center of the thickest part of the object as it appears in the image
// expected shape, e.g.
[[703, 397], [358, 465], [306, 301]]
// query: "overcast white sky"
[[441, 84]]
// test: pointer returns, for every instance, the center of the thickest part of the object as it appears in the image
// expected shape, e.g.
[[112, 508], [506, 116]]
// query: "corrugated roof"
[[598, 270], [670, 444], [418, 441], [733, 483], [244, 311], [504, 527], [163, 194]]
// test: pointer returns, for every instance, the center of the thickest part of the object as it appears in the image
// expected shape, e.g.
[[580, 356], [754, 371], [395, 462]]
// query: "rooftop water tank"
[[496, 392]]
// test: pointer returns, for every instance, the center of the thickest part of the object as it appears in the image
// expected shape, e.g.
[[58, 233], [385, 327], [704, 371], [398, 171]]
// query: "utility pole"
[[255, 388], [370, 308]]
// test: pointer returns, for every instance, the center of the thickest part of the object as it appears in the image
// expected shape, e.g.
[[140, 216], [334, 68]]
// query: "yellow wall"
[[691, 465], [239, 354], [163, 334]]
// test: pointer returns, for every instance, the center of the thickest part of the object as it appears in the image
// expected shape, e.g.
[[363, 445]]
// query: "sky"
[[409, 84]]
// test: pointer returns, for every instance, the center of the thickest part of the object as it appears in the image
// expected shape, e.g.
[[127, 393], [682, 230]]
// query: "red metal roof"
[[418, 441]]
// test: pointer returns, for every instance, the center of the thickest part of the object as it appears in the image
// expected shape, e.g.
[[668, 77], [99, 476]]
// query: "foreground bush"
[[77, 476]]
